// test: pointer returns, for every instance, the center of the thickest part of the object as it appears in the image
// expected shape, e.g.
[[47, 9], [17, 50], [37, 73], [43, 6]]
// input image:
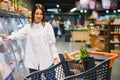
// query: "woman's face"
[[38, 16]]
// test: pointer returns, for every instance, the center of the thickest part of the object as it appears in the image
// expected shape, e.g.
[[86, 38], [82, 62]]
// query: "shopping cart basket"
[[102, 69], [62, 71]]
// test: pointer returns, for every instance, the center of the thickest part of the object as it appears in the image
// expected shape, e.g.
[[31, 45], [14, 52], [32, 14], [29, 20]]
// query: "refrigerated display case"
[[11, 52]]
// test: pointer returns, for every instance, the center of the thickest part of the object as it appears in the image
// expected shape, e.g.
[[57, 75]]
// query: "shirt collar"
[[36, 25]]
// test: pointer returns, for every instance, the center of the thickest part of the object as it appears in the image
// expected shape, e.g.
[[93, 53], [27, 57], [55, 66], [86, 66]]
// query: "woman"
[[55, 24], [61, 23], [40, 51]]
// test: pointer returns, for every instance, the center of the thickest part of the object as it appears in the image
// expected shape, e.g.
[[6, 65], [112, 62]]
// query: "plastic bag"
[[59, 33]]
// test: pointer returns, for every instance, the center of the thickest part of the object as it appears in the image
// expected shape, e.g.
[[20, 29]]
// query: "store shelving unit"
[[114, 38], [109, 37], [103, 35]]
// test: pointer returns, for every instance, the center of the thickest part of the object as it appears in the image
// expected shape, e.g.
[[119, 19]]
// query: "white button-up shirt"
[[40, 47]]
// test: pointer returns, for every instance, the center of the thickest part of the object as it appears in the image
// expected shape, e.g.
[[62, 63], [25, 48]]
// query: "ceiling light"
[[85, 11], [52, 16], [118, 10], [81, 11], [73, 9], [53, 10], [114, 11], [107, 11], [59, 9], [57, 6]]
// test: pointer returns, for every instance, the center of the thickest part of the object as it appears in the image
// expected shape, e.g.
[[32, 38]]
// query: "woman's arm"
[[52, 42], [17, 35]]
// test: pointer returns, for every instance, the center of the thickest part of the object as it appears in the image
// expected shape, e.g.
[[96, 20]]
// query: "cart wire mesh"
[[99, 72], [53, 73]]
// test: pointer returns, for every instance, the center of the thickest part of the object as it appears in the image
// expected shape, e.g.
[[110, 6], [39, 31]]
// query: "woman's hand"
[[56, 60], [5, 37]]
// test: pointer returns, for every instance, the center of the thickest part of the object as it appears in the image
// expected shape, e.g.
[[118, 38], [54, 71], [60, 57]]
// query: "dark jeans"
[[55, 31], [50, 75], [31, 71]]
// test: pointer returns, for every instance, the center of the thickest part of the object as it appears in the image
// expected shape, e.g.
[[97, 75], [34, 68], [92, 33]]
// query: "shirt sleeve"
[[20, 34], [52, 42]]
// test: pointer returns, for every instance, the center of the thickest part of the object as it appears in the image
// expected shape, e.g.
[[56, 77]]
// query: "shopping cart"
[[62, 70], [102, 69]]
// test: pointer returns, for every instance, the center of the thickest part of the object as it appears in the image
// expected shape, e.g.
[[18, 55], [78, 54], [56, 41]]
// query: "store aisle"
[[71, 47]]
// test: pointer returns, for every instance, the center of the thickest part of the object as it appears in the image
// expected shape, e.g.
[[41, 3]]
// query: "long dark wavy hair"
[[38, 6]]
